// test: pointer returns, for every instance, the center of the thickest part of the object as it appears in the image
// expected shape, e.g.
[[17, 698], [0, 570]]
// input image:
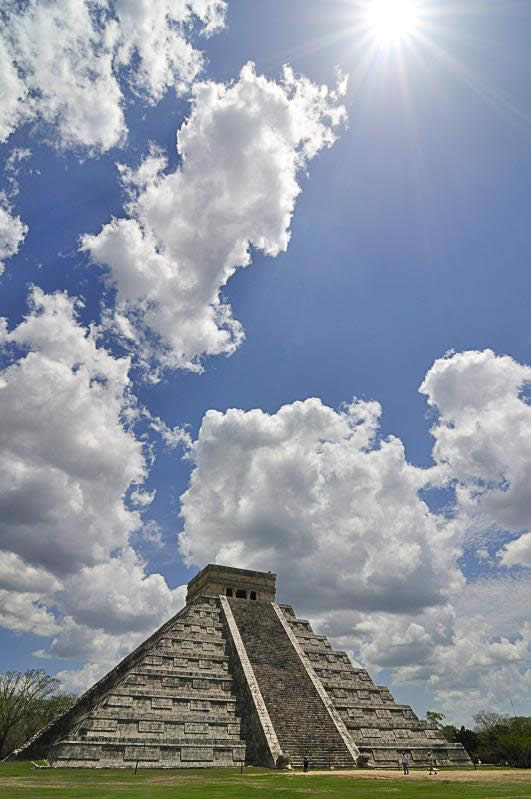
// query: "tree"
[[489, 727], [515, 742], [487, 720], [28, 701], [469, 739], [449, 732], [434, 717], [42, 713]]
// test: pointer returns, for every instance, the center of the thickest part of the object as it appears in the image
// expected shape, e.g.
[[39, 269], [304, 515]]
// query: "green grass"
[[19, 780]]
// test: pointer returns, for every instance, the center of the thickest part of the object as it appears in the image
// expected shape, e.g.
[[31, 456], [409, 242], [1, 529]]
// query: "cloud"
[[25, 612], [12, 231], [77, 681], [68, 457], [518, 552], [482, 439], [310, 493], [16, 575], [102, 596], [63, 62], [142, 498], [172, 436], [14, 93], [12, 167], [156, 34], [471, 653], [188, 231], [487, 661]]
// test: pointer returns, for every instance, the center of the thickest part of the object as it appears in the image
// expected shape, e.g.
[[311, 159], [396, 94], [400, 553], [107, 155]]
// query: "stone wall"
[[214, 580]]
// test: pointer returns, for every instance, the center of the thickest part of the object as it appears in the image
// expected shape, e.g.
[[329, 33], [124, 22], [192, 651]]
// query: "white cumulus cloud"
[[310, 494], [188, 231], [63, 62], [12, 231], [482, 436], [68, 457], [517, 552]]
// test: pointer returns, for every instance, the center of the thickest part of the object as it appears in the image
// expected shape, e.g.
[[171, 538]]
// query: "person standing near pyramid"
[[405, 762]]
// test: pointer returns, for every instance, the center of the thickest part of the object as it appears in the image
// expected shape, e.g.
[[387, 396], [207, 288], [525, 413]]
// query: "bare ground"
[[466, 775]]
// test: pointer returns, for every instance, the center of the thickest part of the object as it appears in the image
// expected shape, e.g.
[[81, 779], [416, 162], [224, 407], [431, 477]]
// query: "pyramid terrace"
[[236, 678]]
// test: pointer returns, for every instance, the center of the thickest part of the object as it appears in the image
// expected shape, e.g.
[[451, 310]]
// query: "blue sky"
[[385, 224]]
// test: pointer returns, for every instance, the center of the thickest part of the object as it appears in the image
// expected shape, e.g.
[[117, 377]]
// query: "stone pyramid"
[[236, 678]]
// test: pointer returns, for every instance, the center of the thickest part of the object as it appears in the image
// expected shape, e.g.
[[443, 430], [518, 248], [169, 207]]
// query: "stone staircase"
[[299, 717]]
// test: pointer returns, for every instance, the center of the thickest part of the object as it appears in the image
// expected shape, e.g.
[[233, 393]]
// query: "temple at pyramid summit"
[[235, 678]]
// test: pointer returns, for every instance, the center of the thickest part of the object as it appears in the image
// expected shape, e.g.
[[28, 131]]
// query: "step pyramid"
[[235, 678]]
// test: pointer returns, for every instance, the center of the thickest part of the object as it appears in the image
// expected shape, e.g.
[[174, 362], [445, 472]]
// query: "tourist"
[[405, 762], [433, 767], [305, 764]]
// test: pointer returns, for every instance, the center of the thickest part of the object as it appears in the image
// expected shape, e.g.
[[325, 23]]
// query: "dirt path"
[[468, 775]]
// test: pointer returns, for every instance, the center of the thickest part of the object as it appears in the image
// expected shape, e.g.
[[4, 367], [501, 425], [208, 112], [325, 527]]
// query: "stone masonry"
[[235, 678]]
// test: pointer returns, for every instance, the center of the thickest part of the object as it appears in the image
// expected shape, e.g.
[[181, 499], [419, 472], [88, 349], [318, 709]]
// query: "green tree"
[[449, 732], [28, 701], [434, 717], [469, 739], [489, 727], [43, 712], [515, 744]]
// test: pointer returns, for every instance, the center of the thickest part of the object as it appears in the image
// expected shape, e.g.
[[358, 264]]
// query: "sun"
[[391, 21]]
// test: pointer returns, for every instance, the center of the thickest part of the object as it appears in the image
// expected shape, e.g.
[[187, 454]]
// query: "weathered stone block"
[[161, 702], [198, 704], [175, 682], [201, 754], [136, 679], [153, 660], [142, 753], [194, 728], [115, 700], [107, 725], [151, 726]]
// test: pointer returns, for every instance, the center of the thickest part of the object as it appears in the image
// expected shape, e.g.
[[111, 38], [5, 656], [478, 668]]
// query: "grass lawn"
[[19, 780]]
